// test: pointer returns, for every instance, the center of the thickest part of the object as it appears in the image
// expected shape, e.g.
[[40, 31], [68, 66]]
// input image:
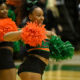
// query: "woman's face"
[[3, 11], [37, 15]]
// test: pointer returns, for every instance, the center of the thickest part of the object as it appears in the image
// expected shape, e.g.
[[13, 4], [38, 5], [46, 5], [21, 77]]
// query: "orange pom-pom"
[[6, 25], [33, 34], [10, 2], [1, 35], [13, 2]]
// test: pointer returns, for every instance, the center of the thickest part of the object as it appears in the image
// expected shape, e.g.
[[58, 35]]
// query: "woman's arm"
[[12, 36]]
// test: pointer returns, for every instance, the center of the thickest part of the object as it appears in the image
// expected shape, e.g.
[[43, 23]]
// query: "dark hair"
[[31, 9], [28, 7]]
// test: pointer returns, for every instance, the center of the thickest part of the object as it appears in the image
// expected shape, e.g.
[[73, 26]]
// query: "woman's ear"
[[30, 17]]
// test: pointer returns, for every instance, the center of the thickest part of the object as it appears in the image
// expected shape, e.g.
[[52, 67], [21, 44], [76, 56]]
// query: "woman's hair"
[[30, 10]]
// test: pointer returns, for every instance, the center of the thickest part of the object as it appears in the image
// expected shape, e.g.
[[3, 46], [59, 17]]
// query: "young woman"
[[7, 67], [37, 58]]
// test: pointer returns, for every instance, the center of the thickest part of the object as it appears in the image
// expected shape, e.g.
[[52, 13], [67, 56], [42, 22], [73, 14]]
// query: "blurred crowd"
[[61, 16]]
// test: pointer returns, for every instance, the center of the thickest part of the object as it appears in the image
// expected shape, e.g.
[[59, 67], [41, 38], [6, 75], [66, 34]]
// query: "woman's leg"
[[8, 74], [7, 67], [31, 69], [30, 76]]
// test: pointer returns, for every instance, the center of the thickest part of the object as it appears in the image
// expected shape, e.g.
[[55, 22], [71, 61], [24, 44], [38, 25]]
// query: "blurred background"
[[63, 17]]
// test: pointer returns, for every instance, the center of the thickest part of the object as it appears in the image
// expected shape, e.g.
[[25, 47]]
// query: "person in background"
[[19, 9], [70, 24]]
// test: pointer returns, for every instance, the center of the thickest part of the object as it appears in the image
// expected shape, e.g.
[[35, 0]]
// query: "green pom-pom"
[[60, 50], [11, 14], [22, 43], [16, 46]]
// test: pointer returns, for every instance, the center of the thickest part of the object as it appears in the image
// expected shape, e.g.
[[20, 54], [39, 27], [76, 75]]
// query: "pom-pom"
[[16, 46], [60, 50], [33, 34], [6, 25], [12, 2]]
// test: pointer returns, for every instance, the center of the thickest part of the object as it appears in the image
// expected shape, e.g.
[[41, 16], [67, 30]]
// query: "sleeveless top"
[[40, 50]]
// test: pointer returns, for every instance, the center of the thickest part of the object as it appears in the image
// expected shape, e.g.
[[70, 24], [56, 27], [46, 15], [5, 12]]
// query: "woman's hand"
[[50, 33]]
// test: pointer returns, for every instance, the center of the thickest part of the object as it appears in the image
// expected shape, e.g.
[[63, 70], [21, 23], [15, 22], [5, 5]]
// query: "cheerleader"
[[37, 57], [7, 67]]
